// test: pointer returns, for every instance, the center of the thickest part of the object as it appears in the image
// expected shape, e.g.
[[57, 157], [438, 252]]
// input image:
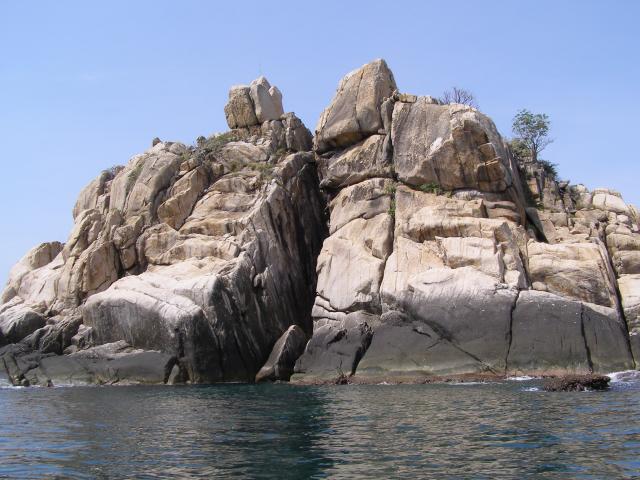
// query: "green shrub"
[[392, 209], [234, 166], [390, 188], [431, 188], [215, 143], [549, 168]]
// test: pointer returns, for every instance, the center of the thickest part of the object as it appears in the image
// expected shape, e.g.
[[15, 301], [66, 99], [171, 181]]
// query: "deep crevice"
[[510, 334], [584, 338]]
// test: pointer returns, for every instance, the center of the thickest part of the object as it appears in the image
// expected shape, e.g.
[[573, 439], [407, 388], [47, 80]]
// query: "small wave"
[[522, 378], [466, 383], [531, 389], [626, 376]]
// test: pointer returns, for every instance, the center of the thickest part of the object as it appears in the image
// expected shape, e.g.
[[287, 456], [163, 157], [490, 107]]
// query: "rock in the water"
[[279, 365], [552, 335], [55, 337], [335, 349], [577, 383]]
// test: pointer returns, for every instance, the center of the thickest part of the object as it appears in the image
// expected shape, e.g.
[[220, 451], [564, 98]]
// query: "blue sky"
[[85, 85]]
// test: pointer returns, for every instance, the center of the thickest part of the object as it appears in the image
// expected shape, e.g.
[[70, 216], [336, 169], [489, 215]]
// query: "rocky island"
[[402, 242]]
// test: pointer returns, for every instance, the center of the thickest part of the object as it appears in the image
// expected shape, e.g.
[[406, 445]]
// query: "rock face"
[[283, 357], [404, 241], [437, 261], [195, 259], [253, 105]]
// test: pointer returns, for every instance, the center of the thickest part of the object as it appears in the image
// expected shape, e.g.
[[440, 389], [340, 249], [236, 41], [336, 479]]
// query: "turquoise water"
[[497, 430]]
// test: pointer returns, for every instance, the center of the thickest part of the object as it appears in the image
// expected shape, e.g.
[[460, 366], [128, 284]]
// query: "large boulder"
[[355, 111], [114, 363], [254, 104], [552, 335], [580, 271], [239, 110], [283, 356], [336, 348], [19, 321]]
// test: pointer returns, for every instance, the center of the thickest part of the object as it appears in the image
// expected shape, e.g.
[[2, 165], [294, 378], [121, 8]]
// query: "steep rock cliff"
[[437, 263], [203, 256], [403, 241]]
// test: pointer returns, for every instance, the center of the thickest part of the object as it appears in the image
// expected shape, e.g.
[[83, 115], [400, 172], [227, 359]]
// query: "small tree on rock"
[[459, 95], [532, 131]]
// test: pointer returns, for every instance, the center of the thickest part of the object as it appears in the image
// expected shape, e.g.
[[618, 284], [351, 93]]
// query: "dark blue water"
[[500, 430]]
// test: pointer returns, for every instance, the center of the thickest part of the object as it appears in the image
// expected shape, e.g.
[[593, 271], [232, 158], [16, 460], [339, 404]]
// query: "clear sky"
[[85, 85]]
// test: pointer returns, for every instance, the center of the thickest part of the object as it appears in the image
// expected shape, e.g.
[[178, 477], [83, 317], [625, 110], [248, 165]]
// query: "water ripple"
[[500, 430]]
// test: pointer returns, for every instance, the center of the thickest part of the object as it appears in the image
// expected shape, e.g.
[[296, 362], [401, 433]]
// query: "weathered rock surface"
[[254, 104], [288, 348], [354, 112], [577, 383], [437, 262], [405, 241], [194, 259]]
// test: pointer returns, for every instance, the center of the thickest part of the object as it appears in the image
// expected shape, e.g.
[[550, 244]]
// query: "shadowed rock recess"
[[403, 242]]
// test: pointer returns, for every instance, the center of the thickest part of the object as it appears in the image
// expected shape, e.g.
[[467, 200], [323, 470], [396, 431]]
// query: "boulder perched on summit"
[[254, 104], [355, 111]]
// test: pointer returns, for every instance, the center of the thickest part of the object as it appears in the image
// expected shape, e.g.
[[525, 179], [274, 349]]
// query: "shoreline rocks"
[[403, 242], [577, 383]]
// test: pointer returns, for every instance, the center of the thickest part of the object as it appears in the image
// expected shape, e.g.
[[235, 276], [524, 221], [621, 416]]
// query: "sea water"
[[509, 429]]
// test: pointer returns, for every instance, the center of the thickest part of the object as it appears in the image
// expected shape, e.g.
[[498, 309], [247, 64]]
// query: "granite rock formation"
[[194, 260], [438, 261], [404, 241]]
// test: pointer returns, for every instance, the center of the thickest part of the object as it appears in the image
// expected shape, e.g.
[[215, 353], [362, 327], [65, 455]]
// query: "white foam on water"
[[523, 378], [626, 376], [466, 383], [531, 389]]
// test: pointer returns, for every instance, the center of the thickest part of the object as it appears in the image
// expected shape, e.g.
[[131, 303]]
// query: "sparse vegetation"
[[265, 171], [114, 170], [459, 95], [549, 168], [134, 174], [234, 166], [281, 152], [216, 142], [392, 208], [390, 188], [431, 188], [184, 156], [519, 150], [532, 132]]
